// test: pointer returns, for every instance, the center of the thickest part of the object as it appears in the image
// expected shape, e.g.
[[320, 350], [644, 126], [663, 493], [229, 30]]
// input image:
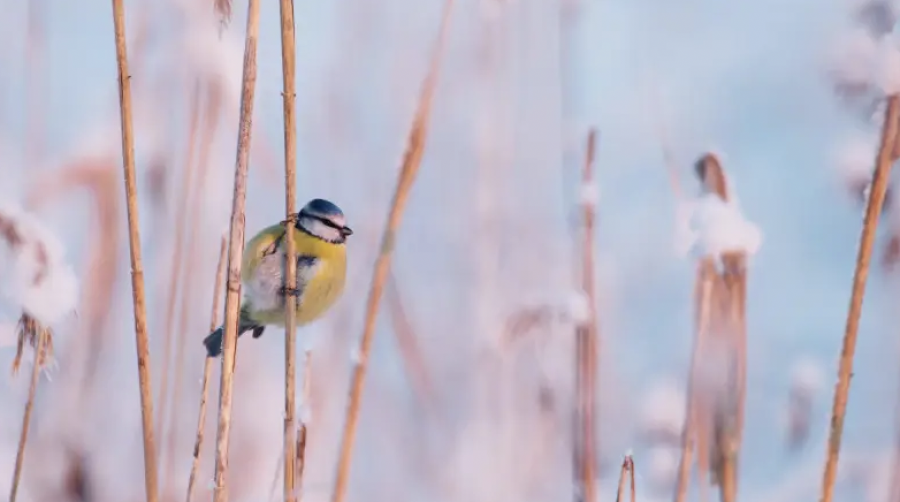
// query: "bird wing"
[[262, 244], [307, 266]]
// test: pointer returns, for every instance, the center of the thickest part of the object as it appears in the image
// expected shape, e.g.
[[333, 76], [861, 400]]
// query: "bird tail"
[[214, 340]]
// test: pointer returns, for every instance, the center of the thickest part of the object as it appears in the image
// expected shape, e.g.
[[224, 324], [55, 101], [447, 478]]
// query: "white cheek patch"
[[321, 230]]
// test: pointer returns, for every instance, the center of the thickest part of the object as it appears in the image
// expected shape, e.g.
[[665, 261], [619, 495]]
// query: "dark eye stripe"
[[328, 223]]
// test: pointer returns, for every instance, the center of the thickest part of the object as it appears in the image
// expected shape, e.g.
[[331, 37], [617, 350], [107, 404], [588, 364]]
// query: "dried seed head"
[[30, 330], [223, 8], [709, 170]]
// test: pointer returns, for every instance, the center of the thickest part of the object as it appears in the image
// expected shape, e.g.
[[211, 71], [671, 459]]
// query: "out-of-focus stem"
[[207, 369], [26, 417], [411, 162]]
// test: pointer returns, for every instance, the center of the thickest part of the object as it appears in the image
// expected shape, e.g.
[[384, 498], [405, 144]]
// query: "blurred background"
[[785, 91]]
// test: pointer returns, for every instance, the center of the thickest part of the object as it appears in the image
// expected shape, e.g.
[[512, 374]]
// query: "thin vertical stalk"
[[236, 252], [631, 475], [175, 276], [586, 345], [207, 369], [134, 241], [26, 417], [175, 272], [134, 244], [626, 473], [303, 429], [411, 162], [192, 253], [288, 58], [692, 430], [866, 242]]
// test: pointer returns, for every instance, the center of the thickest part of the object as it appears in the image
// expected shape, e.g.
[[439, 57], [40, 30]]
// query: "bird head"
[[324, 220]]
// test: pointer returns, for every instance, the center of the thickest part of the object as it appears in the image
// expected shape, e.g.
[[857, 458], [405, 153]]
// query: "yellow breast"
[[323, 287]]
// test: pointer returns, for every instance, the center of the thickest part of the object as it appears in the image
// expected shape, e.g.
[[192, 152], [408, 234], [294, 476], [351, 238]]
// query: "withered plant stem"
[[691, 431], [626, 474], [236, 252], [866, 242], [586, 347], [175, 273], [29, 405], [411, 162], [407, 341], [134, 244], [196, 197], [207, 369], [288, 60]]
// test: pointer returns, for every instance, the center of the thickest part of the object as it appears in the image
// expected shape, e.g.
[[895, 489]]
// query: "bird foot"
[[289, 291], [290, 221]]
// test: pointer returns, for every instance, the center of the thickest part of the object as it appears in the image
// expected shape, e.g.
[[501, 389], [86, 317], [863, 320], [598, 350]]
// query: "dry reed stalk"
[[411, 162], [236, 252], [665, 144], [735, 281], [702, 305], [42, 336], [193, 257], [866, 242], [223, 8], [210, 110], [134, 241], [303, 429], [175, 272], [207, 369], [288, 64], [407, 341], [631, 475], [586, 347], [720, 415], [625, 473]]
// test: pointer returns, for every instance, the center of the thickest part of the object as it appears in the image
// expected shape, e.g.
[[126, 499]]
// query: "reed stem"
[[236, 252], [134, 242]]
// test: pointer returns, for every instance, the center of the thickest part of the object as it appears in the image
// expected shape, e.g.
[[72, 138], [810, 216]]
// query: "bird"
[[320, 234]]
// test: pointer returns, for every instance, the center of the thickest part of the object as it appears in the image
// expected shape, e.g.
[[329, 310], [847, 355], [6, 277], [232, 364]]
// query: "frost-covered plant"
[[709, 226], [34, 277], [863, 69]]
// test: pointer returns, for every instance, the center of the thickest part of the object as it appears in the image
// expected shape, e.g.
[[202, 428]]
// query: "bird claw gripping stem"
[[289, 291], [290, 220]]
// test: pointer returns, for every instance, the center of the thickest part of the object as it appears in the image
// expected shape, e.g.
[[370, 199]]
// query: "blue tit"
[[320, 234]]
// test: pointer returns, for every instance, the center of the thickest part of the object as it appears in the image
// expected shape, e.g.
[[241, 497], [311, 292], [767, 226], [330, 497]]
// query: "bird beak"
[[346, 231]]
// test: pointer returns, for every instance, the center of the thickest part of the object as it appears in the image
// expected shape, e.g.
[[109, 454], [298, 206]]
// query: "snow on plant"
[[34, 277], [709, 226], [863, 68], [33, 273]]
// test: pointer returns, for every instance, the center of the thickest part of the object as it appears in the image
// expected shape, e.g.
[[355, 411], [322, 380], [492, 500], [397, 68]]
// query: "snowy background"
[[754, 81]]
